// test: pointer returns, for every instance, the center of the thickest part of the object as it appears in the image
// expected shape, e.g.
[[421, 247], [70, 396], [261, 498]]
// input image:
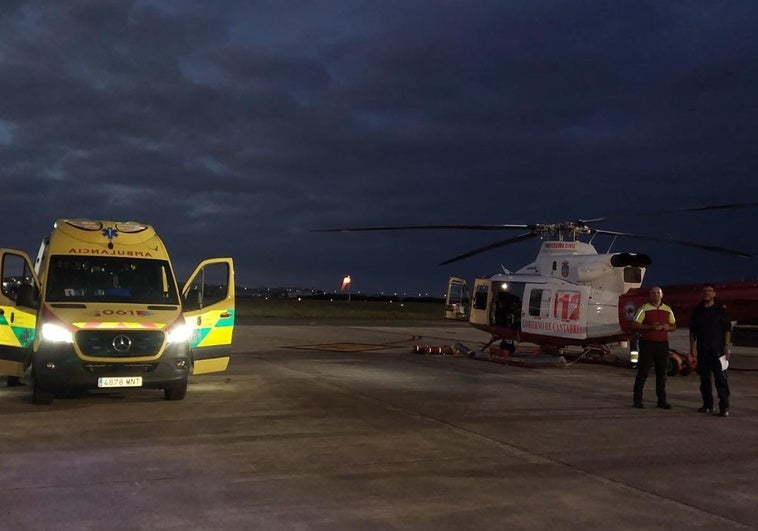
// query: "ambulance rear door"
[[19, 300], [208, 307]]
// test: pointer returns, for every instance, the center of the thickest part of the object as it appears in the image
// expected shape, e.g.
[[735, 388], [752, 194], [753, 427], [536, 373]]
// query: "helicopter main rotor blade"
[[427, 227], [495, 245], [593, 220], [725, 206], [705, 246]]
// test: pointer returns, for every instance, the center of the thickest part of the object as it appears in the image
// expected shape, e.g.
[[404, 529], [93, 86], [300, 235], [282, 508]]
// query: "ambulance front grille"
[[119, 343], [111, 369]]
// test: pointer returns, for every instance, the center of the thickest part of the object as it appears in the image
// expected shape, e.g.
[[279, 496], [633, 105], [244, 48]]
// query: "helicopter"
[[571, 295]]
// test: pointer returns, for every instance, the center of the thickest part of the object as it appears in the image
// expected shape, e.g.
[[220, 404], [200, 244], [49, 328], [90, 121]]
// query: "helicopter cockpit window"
[[480, 297], [633, 275]]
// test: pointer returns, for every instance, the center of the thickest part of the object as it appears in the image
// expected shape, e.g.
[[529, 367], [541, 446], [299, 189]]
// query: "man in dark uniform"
[[654, 320], [710, 336]]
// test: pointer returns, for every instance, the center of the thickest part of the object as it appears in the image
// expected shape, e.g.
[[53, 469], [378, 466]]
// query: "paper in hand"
[[724, 363]]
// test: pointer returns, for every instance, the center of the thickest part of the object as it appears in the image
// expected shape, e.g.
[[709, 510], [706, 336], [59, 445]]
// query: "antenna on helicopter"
[[613, 241]]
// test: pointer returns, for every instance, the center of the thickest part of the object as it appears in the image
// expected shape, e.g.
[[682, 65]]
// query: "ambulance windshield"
[[109, 279]]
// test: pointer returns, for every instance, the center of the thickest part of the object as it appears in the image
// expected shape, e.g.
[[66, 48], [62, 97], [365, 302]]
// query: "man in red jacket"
[[654, 320]]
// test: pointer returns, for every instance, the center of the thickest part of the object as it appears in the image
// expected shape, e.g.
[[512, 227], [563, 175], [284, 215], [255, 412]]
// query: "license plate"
[[120, 381]]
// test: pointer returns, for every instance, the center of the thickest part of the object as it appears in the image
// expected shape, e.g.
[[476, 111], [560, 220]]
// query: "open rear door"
[[458, 301], [18, 311], [208, 307], [482, 302]]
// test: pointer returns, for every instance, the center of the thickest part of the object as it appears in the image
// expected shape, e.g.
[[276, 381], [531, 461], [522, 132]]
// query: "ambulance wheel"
[[40, 395], [175, 392]]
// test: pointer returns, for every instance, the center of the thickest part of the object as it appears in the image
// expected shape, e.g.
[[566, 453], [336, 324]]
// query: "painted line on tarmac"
[[343, 347], [354, 347]]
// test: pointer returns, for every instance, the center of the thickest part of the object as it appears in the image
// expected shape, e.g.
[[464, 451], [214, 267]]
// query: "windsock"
[[345, 283]]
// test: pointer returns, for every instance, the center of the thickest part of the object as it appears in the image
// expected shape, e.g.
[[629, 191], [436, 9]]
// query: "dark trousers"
[[652, 353], [707, 365]]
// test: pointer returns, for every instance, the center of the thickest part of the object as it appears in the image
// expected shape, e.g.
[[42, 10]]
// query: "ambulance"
[[100, 309]]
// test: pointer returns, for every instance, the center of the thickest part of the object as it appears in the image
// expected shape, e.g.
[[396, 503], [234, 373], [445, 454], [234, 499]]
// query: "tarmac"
[[343, 427]]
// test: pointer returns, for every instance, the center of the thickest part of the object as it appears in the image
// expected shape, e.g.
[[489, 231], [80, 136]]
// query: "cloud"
[[238, 127]]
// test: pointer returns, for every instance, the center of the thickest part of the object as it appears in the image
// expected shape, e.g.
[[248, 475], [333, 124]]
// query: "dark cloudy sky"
[[236, 127]]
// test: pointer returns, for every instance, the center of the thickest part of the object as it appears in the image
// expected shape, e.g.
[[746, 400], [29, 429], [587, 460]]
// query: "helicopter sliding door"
[[497, 303], [480, 304], [457, 301]]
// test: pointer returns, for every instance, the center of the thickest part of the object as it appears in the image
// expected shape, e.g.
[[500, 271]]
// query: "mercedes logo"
[[121, 343]]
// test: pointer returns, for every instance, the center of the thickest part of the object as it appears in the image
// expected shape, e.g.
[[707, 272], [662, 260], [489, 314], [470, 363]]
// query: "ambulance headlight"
[[56, 333], [178, 334]]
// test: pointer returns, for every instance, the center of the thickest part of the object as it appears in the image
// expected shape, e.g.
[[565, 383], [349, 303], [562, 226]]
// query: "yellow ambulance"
[[100, 308]]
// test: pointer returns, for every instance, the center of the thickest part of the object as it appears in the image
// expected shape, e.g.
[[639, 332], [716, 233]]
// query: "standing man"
[[710, 336], [654, 320]]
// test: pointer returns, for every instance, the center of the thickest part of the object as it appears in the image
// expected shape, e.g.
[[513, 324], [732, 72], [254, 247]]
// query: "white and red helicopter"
[[571, 295]]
